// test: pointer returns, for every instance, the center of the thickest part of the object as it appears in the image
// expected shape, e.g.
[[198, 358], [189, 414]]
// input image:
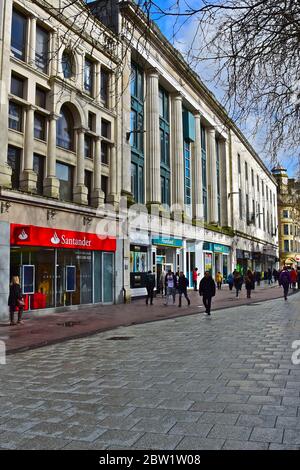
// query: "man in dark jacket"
[[150, 284], [285, 281], [182, 288], [207, 289]]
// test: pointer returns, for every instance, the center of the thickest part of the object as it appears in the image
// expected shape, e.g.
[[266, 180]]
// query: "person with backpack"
[[207, 289], [285, 281], [249, 283], [150, 285], [230, 281], [183, 283]]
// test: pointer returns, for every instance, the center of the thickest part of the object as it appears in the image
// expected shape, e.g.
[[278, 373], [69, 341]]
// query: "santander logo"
[[23, 235], [55, 240]]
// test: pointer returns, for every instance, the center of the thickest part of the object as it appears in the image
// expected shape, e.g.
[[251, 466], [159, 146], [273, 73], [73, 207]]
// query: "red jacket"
[[294, 276]]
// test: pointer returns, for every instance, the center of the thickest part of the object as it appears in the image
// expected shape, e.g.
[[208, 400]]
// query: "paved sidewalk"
[[225, 382], [44, 329]]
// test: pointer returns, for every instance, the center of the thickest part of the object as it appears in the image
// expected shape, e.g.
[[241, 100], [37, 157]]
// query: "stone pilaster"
[[51, 183], [197, 172], [97, 196], [178, 161], [153, 195], [28, 177], [113, 196], [32, 41], [225, 182], [212, 177], [80, 190]]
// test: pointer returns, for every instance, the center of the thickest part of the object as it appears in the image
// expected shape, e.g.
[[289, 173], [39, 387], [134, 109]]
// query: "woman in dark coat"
[[15, 299], [249, 283]]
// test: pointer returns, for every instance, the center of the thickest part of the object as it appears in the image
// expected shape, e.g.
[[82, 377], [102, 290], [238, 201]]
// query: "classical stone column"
[[113, 196], [32, 41], [212, 177], [28, 177], [197, 171], [5, 34], [225, 182], [97, 82], [54, 55], [51, 183], [178, 161], [153, 195], [80, 191], [97, 196]]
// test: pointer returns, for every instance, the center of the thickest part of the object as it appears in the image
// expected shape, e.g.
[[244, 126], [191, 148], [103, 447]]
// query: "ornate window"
[[65, 130], [68, 65]]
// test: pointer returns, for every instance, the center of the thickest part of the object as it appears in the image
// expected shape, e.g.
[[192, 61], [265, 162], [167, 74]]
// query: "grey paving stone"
[[256, 420], [152, 413], [230, 432], [267, 435], [219, 418], [193, 443], [208, 406], [175, 404], [191, 429], [115, 422], [279, 410], [118, 438], [291, 436], [243, 408], [264, 399], [158, 441], [78, 445], [42, 443], [183, 416], [154, 426], [231, 444], [288, 422], [283, 447]]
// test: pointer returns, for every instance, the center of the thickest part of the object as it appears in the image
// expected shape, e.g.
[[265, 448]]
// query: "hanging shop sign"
[[31, 235]]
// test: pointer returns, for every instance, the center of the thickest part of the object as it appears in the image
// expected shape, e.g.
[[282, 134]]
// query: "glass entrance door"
[[108, 275]]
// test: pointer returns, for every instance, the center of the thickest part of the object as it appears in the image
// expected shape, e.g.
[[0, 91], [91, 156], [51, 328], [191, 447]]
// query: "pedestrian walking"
[[15, 300], [207, 289], [275, 275], [298, 277], [171, 286], [237, 282], [249, 283], [161, 284], [219, 280], [195, 278], [183, 283], [150, 285], [258, 277], [285, 281], [230, 281], [270, 277]]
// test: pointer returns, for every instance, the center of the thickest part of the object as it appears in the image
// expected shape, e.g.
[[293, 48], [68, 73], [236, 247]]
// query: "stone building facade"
[[97, 119]]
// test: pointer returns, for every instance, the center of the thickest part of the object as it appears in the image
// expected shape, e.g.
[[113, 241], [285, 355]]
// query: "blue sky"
[[180, 32]]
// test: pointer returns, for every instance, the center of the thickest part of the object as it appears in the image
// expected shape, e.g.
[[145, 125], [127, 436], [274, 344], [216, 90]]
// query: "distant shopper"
[[182, 288], [285, 281], [270, 276], [258, 277], [298, 277], [219, 280], [150, 284], [15, 300], [195, 278], [207, 289], [249, 283], [171, 285], [230, 281], [275, 275], [237, 282], [161, 283]]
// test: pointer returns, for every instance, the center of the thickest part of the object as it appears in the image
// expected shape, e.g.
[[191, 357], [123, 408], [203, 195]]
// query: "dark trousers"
[[219, 285], [185, 295], [207, 303], [150, 291], [248, 293], [195, 284], [285, 291], [12, 309]]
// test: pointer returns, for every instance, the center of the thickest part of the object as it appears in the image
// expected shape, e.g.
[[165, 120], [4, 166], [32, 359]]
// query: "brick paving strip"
[[42, 329]]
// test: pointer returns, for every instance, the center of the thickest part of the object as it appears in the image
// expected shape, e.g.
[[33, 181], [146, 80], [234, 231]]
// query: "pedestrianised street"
[[225, 382]]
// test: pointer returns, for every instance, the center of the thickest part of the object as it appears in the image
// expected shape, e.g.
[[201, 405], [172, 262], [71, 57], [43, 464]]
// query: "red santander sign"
[[31, 235]]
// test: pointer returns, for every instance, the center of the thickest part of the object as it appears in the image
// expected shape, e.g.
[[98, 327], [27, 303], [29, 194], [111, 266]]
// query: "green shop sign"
[[172, 242]]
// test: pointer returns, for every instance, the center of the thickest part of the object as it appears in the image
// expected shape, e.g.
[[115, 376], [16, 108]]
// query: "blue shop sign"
[[221, 248], [172, 242]]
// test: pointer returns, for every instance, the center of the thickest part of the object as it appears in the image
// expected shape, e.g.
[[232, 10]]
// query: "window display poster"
[[138, 262], [70, 278], [28, 279], [208, 262]]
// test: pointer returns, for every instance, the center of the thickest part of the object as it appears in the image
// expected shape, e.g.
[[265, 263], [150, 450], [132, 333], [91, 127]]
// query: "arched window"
[[65, 130], [68, 65]]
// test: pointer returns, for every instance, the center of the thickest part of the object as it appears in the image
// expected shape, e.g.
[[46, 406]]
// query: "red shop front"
[[60, 268]]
